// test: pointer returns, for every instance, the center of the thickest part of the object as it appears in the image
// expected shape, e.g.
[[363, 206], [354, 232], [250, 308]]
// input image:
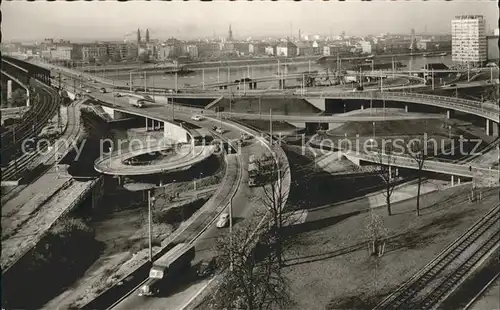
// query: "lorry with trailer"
[[166, 268]]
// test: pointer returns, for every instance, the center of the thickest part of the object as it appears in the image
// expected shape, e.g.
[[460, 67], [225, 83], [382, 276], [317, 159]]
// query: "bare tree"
[[384, 170], [418, 152], [254, 279], [376, 233], [270, 173]]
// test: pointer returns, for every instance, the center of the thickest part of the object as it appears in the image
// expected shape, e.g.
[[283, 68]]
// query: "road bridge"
[[488, 111]]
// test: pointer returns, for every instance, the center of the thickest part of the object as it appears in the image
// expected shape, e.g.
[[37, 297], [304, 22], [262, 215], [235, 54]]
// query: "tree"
[[376, 233], [418, 152], [383, 169], [270, 173], [253, 279]]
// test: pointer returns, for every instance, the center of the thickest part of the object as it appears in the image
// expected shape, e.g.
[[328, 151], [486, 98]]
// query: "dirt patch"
[[278, 105], [388, 128], [264, 125], [331, 267]]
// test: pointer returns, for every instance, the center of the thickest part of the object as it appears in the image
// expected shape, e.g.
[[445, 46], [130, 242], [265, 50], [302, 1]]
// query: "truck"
[[167, 267]]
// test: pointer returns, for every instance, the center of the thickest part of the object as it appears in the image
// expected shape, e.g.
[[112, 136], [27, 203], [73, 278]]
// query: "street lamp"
[[150, 220]]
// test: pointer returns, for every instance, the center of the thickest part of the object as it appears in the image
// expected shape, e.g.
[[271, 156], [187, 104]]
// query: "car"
[[244, 137], [88, 91], [117, 95], [196, 118], [219, 130], [452, 85], [102, 90], [223, 220]]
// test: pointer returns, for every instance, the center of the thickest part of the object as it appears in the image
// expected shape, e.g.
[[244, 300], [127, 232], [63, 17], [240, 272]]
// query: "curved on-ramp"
[[186, 155]]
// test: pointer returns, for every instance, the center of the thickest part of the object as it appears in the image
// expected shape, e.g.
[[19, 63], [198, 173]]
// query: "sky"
[[100, 20]]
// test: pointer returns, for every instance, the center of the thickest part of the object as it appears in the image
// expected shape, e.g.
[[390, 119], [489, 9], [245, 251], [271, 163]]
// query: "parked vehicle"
[[88, 91], [102, 90], [167, 267], [196, 118]]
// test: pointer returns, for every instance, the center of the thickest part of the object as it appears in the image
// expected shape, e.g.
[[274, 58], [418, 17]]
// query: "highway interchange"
[[242, 207]]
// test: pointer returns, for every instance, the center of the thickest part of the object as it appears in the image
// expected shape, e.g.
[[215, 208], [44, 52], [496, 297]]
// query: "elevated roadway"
[[469, 171], [185, 157]]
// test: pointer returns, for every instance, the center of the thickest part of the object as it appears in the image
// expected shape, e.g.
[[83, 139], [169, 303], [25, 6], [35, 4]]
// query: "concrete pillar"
[[250, 85], [494, 129], [362, 107], [397, 172], [406, 108], [255, 85], [449, 114], [452, 180], [458, 181], [279, 84], [487, 127], [9, 89], [147, 124]]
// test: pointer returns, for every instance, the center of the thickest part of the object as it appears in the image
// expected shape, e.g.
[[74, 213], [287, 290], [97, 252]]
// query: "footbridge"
[[453, 169]]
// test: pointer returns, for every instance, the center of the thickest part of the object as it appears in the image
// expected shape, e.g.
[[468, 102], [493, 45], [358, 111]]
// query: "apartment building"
[[469, 43]]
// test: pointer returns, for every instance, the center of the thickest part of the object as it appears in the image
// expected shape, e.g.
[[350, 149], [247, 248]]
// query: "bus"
[[166, 267]]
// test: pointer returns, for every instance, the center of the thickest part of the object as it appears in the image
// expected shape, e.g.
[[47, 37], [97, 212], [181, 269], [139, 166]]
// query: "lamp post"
[[150, 220], [231, 233]]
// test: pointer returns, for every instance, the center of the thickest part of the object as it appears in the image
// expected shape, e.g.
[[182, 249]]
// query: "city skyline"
[[188, 20]]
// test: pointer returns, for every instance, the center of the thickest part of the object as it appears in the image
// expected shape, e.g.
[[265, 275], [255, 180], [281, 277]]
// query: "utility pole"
[[176, 82], [432, 78], [145, 82], [15, 153], [231, 232], [271, 126], [203, 78], [150, 219], [260, 107], [173, 108], [59, 107], [130, 82]]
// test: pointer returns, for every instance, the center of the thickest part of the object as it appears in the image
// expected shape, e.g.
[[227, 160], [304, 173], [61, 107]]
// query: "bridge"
[[453, 169], [488, 111]]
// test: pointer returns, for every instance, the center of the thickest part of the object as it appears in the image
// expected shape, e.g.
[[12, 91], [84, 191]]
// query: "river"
[[214, 75]]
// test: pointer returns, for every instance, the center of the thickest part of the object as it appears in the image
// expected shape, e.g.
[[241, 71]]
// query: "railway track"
[[36, 118], [431, 285], [30, 161]]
